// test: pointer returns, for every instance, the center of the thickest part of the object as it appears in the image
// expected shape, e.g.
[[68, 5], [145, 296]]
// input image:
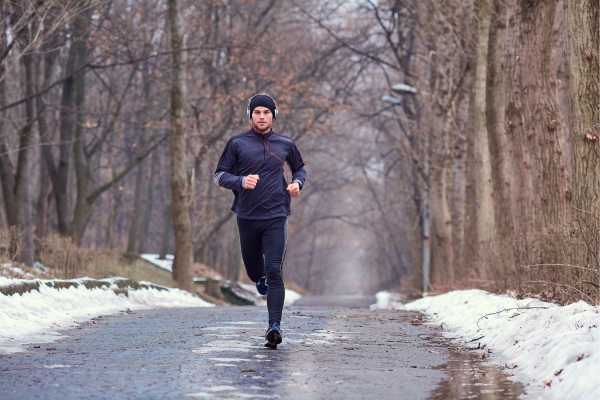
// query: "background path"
[[328, 352]]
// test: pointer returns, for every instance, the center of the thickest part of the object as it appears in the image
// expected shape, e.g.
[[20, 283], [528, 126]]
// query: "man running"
[[252, 166]]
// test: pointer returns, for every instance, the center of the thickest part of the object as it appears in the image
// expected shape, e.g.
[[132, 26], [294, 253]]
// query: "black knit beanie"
[[262, 100]]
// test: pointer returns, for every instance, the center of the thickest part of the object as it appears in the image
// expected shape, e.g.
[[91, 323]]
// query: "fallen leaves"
[[547, 383]]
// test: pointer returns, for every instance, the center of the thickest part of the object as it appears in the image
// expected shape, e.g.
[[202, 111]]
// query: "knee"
[[274, 275]]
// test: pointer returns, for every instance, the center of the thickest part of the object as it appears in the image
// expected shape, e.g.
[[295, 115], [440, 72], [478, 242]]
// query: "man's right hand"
[[251, 181]]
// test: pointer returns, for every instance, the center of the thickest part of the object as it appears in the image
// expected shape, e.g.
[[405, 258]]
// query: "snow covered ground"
[[553, 350], [39, 316]]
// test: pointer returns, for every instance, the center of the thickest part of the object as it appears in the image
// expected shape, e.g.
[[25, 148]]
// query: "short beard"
[[259, 131]]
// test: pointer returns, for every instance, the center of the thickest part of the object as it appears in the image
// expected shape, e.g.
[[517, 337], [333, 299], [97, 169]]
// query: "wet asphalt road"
[[329, 352]]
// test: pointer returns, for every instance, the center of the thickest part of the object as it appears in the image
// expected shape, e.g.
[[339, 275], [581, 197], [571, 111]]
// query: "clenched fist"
[[294, 189], [251, 181]]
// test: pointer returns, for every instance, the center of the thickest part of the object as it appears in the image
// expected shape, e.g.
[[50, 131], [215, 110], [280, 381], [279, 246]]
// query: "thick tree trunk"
[[6, 174], [180, 190], [22, 190], [504, 171], [61, 183], [534, 124], [482, 168], [441, 220], [116, 203], [83, 208], [46, 158], [582, 72], [140, 198]]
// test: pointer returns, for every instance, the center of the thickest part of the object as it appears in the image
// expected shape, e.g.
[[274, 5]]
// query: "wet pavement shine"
[[333, 348]]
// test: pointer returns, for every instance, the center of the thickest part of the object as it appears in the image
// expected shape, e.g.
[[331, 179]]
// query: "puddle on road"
[[470, 378]]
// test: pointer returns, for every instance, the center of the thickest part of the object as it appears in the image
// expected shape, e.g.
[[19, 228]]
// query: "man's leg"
[[250, 231], [274, 242]]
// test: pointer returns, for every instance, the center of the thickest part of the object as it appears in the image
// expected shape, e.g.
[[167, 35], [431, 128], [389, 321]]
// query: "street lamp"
[[404, 89]]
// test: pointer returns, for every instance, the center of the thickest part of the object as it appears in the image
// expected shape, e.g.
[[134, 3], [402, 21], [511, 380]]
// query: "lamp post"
[[403, 89]]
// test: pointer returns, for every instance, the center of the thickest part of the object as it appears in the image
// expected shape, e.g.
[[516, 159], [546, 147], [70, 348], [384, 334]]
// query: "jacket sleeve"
[[297, 165], [226, 169]]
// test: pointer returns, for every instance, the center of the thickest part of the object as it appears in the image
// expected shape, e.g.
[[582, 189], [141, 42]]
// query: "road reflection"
[[470, 377]]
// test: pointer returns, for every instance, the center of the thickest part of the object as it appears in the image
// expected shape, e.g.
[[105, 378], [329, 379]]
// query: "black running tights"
[[266, 237]]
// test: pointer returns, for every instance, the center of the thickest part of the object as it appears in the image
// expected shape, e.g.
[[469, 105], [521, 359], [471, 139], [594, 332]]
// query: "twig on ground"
[[476, 339], [506, 309]]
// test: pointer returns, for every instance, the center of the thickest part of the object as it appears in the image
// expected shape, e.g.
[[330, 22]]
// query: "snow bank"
[[166, 263], [38, 316], [553, 350], [291, 297]]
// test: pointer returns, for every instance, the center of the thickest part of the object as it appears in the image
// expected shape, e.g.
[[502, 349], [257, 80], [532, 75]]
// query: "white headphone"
[[275, 114]]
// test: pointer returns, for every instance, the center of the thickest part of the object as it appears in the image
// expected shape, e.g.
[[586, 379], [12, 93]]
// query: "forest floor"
[[334, 348]]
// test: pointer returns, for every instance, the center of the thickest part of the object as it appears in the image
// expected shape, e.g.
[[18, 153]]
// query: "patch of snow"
[[291, 297], [8, 270], [553, 350], [39, 316], [224, 345], [387, 300], [220, 388], [167, 263]]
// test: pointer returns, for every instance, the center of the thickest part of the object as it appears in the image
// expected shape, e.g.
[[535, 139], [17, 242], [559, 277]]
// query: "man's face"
[[262, 119]]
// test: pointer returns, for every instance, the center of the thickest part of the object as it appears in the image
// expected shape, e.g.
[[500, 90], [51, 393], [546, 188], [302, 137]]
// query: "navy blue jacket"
[[246, 154]]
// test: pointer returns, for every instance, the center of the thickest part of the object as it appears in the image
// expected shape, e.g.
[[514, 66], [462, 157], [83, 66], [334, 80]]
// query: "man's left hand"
[[294, 189]]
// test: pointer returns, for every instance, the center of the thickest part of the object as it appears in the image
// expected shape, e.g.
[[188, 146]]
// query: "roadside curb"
[[119, 286]]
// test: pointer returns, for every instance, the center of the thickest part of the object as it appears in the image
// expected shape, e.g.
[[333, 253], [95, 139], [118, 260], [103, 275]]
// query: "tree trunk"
[[485, 209], [140, 199], [6, 175], [22, 190], [180, 190], [147, 214], [534, 124], [116, 203], [46, 158], [61, 183], [166, 236], [140, 181], [441, 264], [582, 72], [504, 171], [83, 208]]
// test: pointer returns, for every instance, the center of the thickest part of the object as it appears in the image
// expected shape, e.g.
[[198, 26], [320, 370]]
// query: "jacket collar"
[[264, 136]]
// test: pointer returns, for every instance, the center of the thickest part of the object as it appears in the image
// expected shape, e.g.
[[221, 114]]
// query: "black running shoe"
[[273, 336], [262, 286]]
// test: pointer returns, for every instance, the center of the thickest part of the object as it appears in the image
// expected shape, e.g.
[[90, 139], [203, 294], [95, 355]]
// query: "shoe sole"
[[273, 339]]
